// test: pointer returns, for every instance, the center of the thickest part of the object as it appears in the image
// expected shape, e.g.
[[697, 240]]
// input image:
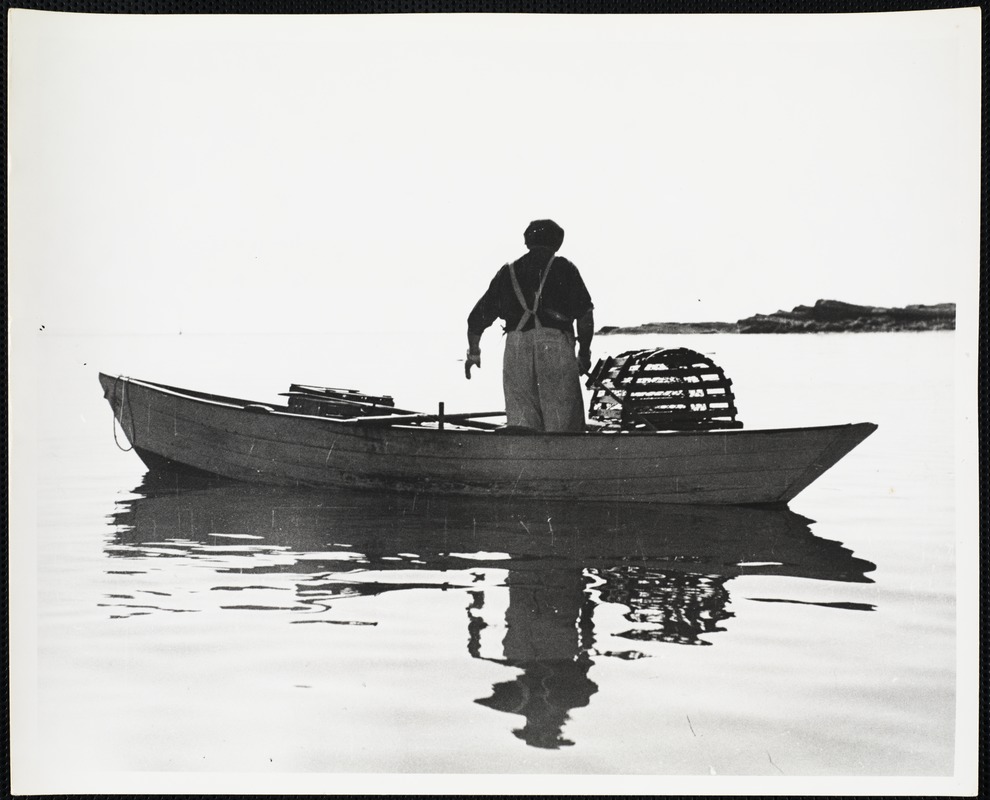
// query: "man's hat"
[[544, 233]]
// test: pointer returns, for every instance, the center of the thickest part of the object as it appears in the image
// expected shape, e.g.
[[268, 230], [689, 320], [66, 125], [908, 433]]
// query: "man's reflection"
[[543, 638]]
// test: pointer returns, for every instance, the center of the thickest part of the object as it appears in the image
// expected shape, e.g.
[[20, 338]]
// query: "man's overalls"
[[540, 372]]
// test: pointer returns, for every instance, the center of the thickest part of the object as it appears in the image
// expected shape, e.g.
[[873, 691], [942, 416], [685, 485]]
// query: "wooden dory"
[[180, 429]]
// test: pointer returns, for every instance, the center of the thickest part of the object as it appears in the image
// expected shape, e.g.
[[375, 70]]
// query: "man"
[[539, 296]]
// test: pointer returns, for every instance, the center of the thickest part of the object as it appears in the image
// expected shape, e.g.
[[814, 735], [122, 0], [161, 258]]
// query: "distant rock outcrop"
[[825, 316], [834, 316], [674, 327]]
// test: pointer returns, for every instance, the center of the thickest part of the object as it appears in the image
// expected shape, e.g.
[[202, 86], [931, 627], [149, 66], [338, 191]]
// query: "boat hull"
[[180, 429]]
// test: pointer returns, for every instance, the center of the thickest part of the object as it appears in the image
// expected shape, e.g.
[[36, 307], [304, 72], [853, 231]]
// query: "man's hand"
[[585, 332], [584, 361], [472, 360]]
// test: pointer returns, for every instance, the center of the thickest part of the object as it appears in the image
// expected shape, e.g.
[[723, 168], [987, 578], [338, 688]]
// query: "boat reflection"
[[533, 574]]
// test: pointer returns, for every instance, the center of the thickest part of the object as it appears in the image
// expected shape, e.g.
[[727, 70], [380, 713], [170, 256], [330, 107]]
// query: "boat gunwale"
[[240, 404]]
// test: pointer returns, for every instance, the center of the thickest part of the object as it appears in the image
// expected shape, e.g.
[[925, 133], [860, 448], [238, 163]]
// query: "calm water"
[[225, 628]]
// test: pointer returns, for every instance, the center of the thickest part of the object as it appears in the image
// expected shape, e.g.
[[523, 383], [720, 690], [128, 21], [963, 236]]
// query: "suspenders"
[[527, 311]]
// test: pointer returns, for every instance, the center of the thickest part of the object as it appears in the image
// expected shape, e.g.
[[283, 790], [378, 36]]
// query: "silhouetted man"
[[539, 296]]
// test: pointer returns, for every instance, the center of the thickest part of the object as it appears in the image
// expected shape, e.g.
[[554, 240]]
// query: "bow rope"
[[120, 379]]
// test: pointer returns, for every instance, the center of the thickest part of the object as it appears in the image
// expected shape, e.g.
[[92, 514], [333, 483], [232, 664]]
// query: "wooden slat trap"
[[663, 390]]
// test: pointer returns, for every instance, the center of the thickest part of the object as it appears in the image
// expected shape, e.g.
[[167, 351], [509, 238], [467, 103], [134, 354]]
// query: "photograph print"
[[494, 403]]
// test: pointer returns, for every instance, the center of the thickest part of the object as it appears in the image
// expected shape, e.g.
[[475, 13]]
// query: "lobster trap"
[[661, 390]]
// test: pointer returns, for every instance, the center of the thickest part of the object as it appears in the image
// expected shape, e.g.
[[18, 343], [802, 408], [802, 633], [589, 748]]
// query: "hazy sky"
[[332, 173]]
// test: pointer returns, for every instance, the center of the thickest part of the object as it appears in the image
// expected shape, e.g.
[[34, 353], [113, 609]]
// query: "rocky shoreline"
[[825, 316]]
